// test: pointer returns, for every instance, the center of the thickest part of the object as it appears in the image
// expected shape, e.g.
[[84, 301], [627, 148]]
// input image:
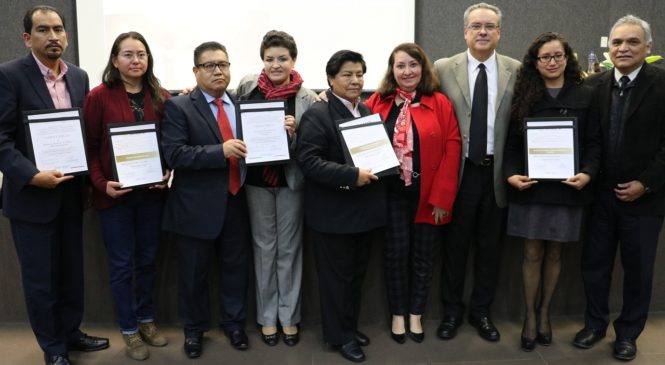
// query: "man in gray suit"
[[479, 82]]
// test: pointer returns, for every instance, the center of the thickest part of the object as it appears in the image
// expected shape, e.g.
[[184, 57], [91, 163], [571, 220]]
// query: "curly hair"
[[529, 85], [111, 75]]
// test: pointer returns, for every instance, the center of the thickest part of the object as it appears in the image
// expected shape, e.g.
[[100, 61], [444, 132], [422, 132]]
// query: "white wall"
[[173, 28]]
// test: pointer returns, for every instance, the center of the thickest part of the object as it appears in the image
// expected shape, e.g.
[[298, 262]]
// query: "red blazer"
[[104, 106], [440, 149]]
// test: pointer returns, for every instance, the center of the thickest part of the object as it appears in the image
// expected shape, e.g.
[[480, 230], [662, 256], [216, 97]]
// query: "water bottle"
[[592, 60]]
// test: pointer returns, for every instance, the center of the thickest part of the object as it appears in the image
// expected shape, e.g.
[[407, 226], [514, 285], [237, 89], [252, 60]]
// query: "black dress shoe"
[[416, 337], [238, 339], [544, 338], [292, 340], [270, 340], [88, 343], [448, 328], [625, 349], [486, 328], [352, 351], [56, 360], [587, 337], [193, 345], [362, 339], [399, 338]]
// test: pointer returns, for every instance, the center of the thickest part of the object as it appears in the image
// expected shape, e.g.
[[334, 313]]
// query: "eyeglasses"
[[476, 27], [211, 66], [548, 58], [129, 56]]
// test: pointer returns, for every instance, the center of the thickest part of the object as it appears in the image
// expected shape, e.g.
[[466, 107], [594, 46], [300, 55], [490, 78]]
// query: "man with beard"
[[45, 207]]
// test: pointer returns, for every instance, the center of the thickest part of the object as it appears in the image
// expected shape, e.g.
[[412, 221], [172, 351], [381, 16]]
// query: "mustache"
[[54, 44]]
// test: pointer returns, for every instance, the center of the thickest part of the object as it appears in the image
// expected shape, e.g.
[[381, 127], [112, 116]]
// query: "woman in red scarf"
[[422, 126], [274, 196]]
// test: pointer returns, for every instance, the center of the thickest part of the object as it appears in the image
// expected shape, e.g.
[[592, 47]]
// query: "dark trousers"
[[51, 258], [341, 263], [408, 260], [476, 219], [637, 237], [131, 233], [231, 248]]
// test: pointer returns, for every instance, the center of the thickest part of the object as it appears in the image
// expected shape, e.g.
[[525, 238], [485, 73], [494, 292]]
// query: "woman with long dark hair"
[[547, 213], [130, 219]]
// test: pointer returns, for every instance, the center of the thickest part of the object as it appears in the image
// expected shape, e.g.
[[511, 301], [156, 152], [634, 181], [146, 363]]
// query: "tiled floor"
[[18, 347]]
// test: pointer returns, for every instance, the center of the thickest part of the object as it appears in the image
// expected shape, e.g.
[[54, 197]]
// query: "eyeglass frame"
[[548, 58], [211, 66], [477, 27], [141, 56]]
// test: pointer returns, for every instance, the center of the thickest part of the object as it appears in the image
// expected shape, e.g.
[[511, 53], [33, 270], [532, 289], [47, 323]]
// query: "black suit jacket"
[[333, 204], [22, 88], [643, 145], [192, 145]]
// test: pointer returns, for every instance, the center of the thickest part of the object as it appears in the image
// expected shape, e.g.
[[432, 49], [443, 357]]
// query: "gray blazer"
[[454, 78], [304, 99]]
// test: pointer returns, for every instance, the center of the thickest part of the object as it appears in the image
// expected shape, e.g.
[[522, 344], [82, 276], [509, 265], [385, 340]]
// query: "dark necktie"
[[614, 136], [478, 129], [227, 133]]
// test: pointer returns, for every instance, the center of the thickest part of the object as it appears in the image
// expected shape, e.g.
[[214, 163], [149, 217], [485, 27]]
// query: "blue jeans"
[[131, 233]]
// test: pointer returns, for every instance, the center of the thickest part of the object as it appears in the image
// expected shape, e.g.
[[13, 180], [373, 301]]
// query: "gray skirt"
[[545, 222]]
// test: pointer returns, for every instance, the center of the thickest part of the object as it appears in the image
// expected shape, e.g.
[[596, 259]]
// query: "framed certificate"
[[56, 140], [135, 154], [551, 150], [366, 145], [262, 130]]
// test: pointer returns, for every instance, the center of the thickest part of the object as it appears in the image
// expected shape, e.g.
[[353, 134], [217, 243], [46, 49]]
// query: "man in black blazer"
[[630, 200], [206, 206], [44, 207]]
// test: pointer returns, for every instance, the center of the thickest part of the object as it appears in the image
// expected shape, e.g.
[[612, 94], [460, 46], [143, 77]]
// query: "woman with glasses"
[[547, 213], [274, 195], [130, 218]]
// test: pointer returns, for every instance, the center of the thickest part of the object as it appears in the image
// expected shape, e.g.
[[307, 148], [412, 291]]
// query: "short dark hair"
[[277, 38], [27, 19], [207, 46], [339, 58], [428, 84]]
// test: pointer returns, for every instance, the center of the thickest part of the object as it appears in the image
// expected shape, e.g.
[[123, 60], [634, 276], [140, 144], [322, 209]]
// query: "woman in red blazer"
[[130, 219], [422, 126]]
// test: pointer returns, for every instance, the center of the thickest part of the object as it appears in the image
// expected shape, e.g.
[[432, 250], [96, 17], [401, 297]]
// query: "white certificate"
[[368, 146], [56, 140], [551, 151], [136, 156], [262, 130]]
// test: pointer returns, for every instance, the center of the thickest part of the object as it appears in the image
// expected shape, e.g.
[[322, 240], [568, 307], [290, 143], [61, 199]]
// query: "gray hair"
[[481, 6], [634, 20]]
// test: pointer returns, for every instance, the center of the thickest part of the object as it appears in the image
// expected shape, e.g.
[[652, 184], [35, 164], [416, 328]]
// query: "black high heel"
[[399, 338], [544, 338], [526, 344]]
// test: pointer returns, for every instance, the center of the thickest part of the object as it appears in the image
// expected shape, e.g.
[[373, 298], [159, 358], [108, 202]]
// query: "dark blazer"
[[643, 148], [192, 146], [22, 88], [573, 101], [333, 204]]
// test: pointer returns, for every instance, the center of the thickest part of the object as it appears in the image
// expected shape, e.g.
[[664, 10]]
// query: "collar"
[[47, 73], [631, 76], [353, 109], [490, 63], [209, 98]]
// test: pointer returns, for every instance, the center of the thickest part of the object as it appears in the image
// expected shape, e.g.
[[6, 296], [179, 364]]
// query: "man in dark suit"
[[44, 207], [483, 114], [206, 206], [630, 200]]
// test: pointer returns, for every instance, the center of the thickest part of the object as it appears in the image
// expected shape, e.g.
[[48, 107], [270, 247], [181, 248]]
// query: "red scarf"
[[284, 92], [403, 137]]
